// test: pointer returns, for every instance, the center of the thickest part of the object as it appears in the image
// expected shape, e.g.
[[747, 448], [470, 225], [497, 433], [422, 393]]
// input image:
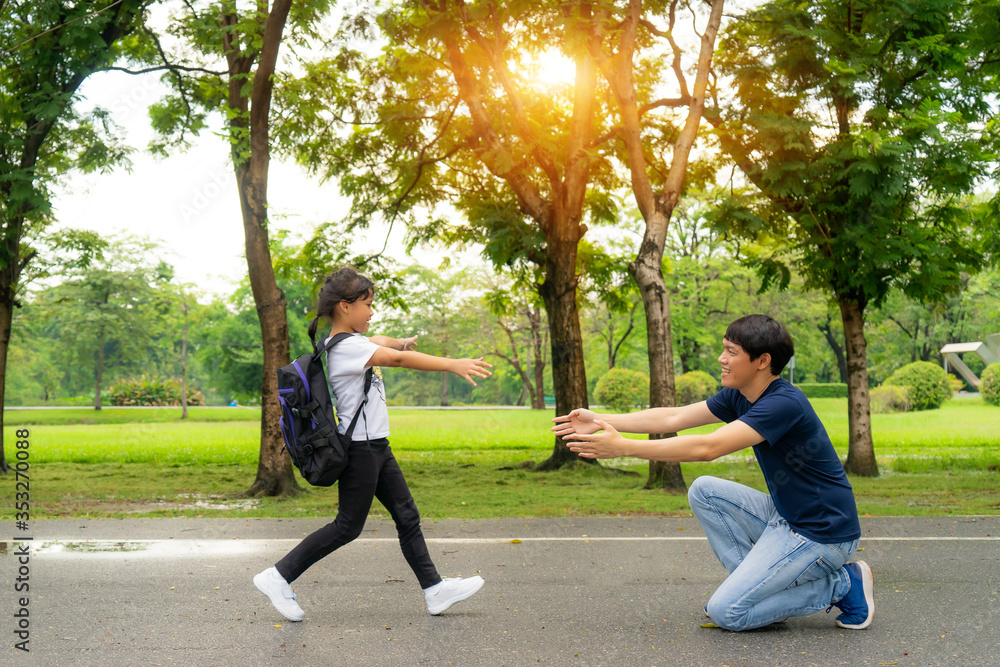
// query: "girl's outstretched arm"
[[464, 368], [395, 343]]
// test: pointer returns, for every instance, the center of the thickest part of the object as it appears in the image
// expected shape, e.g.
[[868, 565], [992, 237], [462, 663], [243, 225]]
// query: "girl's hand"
[[607, 445], [580, 420], [409, 343], [467, 368]]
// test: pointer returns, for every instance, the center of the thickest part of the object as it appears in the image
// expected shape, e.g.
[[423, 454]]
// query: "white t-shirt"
[[346, 364]]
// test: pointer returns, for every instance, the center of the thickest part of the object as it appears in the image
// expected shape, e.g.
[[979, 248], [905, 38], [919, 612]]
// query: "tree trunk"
[[6, 320], [568, 373], [274, 469], [99, 371], [184, 375], [860, 449], [538, 359], [648, 275], [838, 350]]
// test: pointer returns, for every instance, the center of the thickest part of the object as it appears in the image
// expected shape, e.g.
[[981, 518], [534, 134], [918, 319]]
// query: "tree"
[[107, 307], [860, 126], [451, 112], [242, 93], [656, 182], [49, 49], [517, 312], [454, 111]]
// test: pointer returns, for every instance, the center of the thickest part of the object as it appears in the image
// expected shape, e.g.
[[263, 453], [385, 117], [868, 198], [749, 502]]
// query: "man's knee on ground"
[[724, 616]]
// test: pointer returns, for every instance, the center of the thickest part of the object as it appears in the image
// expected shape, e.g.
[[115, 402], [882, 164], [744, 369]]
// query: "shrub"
[[989, 386], [957, 384], [149, 390], [928, 384], [621, 389], [890, 398], [823, 389], [695, 386]]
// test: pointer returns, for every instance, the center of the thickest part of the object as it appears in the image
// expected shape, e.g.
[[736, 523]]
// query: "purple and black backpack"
[[308, 422]]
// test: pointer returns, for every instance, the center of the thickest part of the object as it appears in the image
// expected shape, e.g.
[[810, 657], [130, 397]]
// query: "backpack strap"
[[329, 343], [364, 401]]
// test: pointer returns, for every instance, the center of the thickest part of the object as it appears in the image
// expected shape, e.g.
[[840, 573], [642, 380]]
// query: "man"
[[787, 550]]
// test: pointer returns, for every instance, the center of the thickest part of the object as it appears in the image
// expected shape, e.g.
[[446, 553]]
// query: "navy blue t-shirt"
[[802, 470]]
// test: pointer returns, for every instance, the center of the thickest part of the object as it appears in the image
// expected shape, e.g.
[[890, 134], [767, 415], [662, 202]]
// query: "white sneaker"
[[450, 591], [273, 585]]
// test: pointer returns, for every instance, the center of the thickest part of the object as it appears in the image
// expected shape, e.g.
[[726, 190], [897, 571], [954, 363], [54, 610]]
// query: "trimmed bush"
[[989, 388], [890, 398], [928, 384], [621, 389], [695, 386], [823, 389], [148, 390]]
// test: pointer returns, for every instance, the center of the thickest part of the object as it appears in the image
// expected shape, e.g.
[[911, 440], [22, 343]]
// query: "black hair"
[[345, 284], [758, 334]]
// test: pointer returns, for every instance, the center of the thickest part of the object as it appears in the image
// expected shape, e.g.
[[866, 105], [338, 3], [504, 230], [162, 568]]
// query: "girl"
[[372, 472]]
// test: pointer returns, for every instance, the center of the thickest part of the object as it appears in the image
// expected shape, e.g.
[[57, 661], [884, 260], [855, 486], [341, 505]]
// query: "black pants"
[[372, 472]]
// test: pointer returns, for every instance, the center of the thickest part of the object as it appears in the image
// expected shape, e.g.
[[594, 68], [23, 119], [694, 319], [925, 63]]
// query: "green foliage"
[[890, 398], [863, 131], [928, 384], [622, 389], [695, 386], [49, 50], [823, 389], [905, 329], [990, 386], [147, 390]]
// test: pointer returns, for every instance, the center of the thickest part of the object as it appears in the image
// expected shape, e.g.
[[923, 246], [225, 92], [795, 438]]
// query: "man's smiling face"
[[737, 369]]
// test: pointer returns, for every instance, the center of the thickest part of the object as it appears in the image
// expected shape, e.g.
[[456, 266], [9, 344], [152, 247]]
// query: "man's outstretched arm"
[[653, 420], [609, 443]]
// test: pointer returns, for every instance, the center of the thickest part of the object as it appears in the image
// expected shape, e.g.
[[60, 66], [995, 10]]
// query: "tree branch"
[[672, 103], [160, 68], [520, 116], [527, 194]]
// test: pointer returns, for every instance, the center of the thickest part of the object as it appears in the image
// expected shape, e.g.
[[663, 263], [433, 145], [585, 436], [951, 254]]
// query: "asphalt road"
[[571, 592]]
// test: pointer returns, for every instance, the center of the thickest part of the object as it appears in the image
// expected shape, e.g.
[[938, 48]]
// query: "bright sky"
[[188, 201]]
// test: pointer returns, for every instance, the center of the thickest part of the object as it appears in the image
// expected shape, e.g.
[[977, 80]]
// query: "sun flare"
[[552, 68]]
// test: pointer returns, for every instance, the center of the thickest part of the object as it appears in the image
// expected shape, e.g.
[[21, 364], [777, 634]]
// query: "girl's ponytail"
[[312, 330]]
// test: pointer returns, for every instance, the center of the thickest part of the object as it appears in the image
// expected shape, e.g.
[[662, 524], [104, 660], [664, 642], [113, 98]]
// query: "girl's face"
[[357, 315]]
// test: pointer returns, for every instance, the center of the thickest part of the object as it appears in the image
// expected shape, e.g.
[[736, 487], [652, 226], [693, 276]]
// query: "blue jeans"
[[774, 572]]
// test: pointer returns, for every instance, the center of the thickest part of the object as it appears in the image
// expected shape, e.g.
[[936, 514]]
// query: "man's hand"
[[608, 444], [580, 420]]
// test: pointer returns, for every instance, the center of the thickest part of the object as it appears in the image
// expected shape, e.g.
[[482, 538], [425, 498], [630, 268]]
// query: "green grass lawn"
[[463, 464]]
